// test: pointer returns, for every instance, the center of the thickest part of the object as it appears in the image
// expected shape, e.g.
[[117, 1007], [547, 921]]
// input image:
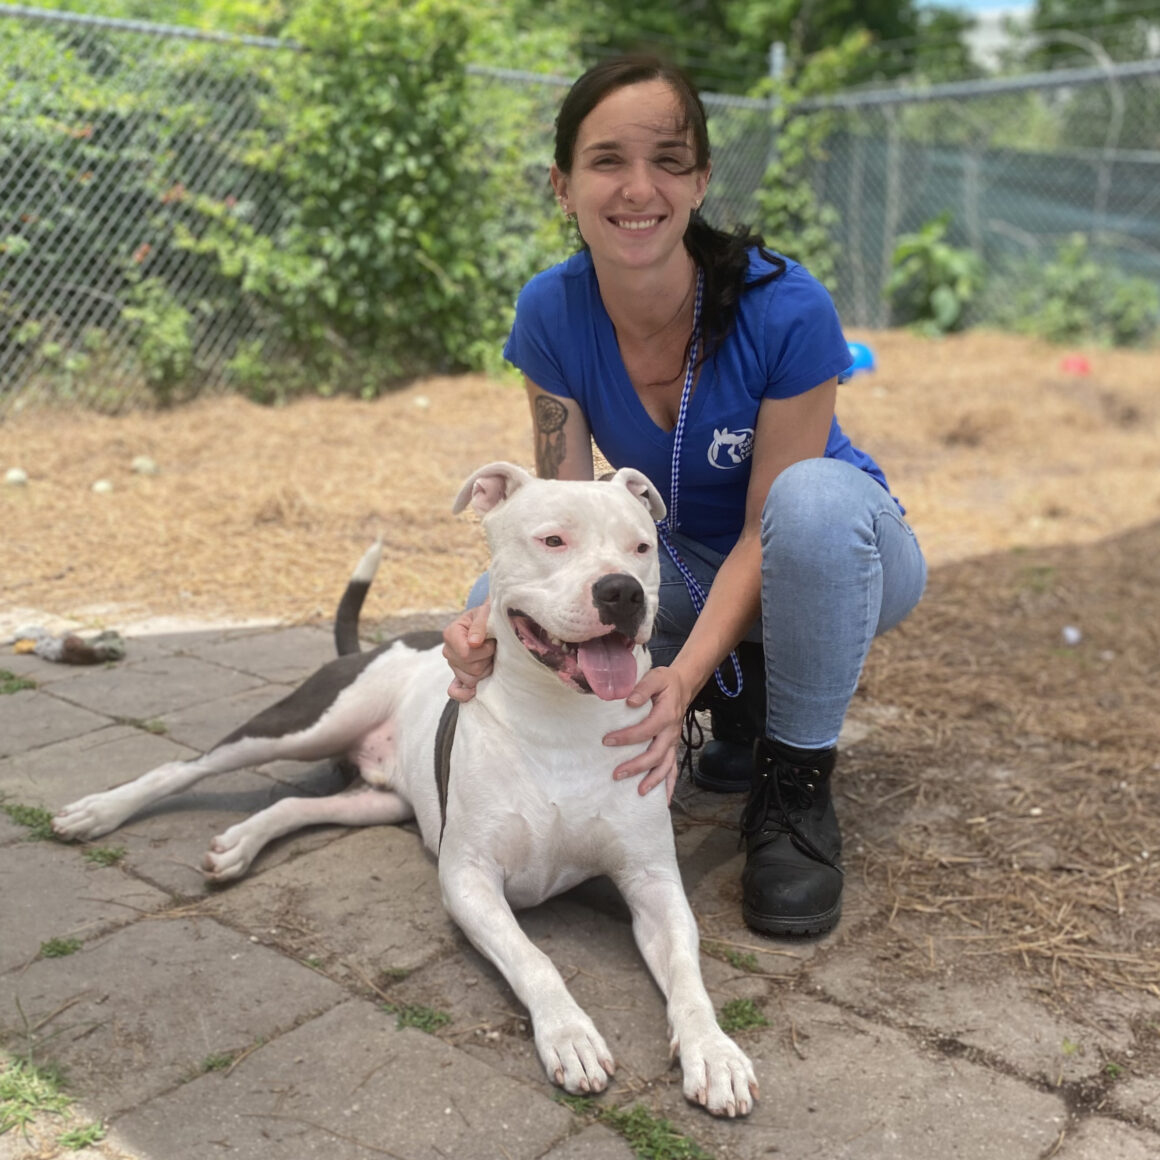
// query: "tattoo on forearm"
[[551, 445]]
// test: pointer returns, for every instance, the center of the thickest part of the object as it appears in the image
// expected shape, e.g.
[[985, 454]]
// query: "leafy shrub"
[[390, 258], [932, 282], [1076, 298]]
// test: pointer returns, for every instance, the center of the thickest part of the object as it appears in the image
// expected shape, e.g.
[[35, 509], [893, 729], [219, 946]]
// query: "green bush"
[[391, 258], [374, 222], [932, 282], [1074, 298]]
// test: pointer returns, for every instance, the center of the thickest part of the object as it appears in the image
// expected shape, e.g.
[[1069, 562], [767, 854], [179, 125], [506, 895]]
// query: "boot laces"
[[693, 737], [782, 791]]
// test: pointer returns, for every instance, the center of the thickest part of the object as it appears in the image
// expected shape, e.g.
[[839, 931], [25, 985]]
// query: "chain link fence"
[[1022, 166], [110, 132]]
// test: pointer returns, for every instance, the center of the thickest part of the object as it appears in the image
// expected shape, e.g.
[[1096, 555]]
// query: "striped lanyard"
[[670, 523]]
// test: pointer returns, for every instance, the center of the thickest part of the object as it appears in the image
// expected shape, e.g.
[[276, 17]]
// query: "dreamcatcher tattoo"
[[550, 415]]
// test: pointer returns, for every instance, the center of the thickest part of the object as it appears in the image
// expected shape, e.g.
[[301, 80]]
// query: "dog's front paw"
[[718, 1074], [575, 1056], [90, 817]]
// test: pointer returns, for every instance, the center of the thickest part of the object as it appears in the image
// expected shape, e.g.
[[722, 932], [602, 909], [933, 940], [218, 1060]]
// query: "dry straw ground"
[[1005, 811]]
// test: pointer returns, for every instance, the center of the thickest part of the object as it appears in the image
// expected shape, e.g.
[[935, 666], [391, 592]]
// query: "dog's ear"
[[489, 486], [639, 485]]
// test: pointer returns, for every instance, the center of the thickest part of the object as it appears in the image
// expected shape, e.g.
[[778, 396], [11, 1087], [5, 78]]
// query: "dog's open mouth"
[[604, 665]]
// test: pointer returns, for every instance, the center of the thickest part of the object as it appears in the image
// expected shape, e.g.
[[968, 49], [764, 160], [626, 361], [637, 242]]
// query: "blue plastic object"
[[863, 358]]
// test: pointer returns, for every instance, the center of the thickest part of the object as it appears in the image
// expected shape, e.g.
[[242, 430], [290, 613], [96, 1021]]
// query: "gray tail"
[[346, 619]]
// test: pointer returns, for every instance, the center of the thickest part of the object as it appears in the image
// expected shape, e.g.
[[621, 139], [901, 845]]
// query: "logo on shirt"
[[730, 448]]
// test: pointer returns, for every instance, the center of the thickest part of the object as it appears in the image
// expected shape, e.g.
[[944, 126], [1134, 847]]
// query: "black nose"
[[619, 599]]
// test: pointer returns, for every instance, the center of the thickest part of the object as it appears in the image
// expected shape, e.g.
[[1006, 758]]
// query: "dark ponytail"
[[724, 257]]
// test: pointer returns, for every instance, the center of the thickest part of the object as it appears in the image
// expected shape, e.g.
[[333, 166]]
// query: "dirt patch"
[[261, 513]]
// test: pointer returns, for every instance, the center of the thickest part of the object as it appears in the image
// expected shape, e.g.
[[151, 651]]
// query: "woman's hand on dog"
[[661, 729], [469, 651]]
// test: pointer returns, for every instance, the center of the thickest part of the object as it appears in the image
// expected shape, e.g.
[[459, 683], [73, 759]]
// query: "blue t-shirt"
[[785, 340]]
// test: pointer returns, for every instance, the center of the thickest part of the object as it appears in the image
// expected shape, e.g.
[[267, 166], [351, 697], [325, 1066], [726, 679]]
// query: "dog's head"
[[574, 572]]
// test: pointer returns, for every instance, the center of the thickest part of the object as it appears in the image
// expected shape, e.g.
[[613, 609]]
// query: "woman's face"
[[633, 182]]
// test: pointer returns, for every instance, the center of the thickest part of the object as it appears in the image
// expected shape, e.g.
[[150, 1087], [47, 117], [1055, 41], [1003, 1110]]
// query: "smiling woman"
[[711, 365]]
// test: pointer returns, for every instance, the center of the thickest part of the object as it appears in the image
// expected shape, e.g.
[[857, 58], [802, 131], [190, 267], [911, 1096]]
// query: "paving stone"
[[154, 687], [861, 1091], [1138, 1095], [1099, 1138], [141, 1009], [285, 655], [34, 718], [1001, 1015], [370, 899], [344, 1086], [63, 896]]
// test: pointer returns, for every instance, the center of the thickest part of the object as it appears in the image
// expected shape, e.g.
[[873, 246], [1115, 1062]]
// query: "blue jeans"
[[839, 566]]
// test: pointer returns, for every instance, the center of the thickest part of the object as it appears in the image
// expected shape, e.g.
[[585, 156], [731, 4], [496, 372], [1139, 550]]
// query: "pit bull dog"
[[524, 805]]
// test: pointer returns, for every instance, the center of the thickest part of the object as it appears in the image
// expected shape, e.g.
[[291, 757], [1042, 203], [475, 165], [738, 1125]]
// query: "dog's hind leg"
[[230, 854], [717, 1073], [99, 813]]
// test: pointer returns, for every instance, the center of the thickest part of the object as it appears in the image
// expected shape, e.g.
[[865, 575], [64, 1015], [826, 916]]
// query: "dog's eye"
[[643, 547], [553, 541]]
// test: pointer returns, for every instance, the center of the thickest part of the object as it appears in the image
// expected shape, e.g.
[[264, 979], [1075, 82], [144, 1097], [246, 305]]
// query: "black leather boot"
[[726, 762], [791, 883]]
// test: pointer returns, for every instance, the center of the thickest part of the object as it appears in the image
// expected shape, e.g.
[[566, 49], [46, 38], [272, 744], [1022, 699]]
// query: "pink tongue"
[[609, 666]]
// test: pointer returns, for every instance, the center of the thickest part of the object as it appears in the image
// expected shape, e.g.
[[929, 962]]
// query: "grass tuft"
[[38, 822], [741, 1015], [11, 683], [26, 1091], [105, 855], [80, 1138], [59, 948], [414, 1015], [651, 1137]]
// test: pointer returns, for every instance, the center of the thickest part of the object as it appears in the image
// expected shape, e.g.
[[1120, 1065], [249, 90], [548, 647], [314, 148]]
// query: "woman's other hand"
[[469, 651]]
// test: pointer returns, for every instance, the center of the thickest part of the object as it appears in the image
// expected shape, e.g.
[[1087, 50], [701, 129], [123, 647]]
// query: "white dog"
[[523, 806]]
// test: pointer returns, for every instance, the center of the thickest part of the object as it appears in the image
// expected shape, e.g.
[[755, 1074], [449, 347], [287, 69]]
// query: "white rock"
[[143, 465], [1071, 635], [103, 486], [16, 476]]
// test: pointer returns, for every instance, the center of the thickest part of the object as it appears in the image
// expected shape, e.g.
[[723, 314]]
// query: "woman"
[[712, 365]]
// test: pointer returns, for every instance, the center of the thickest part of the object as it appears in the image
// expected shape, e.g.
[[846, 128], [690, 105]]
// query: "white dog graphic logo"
[[730, 448]]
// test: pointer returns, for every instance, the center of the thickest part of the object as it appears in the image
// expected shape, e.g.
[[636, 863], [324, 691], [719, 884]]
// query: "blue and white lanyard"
[[670, 523]]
